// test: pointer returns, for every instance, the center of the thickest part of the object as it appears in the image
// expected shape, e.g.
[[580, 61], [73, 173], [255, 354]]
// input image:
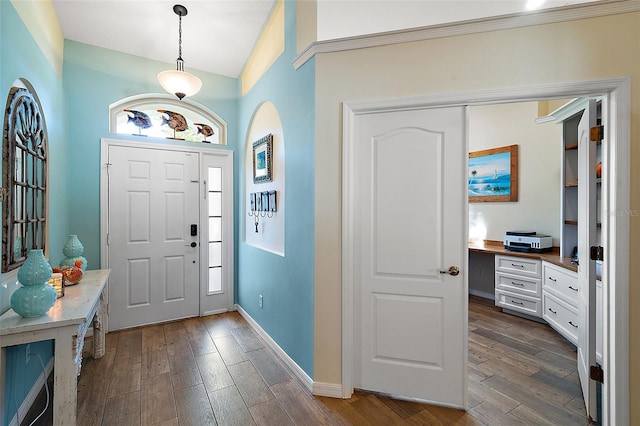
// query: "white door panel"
[[586, 268], [153, 200], [216, 248], [411, 224]]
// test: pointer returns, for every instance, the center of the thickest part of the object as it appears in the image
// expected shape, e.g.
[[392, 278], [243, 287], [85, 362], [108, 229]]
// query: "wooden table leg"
[[65, 385]]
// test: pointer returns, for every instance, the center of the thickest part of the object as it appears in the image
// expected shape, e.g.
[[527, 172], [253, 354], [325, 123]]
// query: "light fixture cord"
[[180, 61]]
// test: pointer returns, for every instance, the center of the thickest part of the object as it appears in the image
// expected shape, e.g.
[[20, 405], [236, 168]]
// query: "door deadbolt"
[[453, 270]]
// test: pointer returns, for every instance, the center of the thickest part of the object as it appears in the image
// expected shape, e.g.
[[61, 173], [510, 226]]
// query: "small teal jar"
[[73, 250], [36, 296]]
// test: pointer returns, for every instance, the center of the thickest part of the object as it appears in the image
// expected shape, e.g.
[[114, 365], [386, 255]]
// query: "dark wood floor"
[[216, 370]]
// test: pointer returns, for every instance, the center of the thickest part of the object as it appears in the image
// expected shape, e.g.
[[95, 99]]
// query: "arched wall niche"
[[270, 235]]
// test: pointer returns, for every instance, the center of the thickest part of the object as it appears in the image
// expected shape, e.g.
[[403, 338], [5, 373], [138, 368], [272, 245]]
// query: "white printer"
[[527, 241]]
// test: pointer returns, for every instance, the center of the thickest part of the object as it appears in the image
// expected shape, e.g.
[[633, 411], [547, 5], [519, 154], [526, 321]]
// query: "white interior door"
[[153, 201], [216, 239], [410, 315], [586, 268]]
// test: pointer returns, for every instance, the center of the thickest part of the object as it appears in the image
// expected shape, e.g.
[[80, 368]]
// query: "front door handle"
[[453, 270], [193, 244]]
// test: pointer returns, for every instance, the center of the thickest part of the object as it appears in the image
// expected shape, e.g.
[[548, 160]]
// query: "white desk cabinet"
[[560, 295], [83, 305], [518, 284], [560, 288]]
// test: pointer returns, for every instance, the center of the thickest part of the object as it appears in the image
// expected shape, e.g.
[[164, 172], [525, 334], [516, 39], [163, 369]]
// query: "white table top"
[[72, 309]]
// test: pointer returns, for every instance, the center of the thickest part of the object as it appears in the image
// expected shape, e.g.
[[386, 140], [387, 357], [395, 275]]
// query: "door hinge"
[[597, 253], [597, 133], [596, 373]]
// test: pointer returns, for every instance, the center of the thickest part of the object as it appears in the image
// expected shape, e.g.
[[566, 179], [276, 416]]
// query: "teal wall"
[[286, 283], [94, 78], [76, 108], [21, 57]]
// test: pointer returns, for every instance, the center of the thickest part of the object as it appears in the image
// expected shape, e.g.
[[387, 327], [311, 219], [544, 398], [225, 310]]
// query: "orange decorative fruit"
[[72, 275]]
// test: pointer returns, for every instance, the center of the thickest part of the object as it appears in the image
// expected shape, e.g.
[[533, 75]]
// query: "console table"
[[66, 323]]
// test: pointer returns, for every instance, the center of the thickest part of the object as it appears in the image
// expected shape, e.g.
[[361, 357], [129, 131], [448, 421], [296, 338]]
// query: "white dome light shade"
[[179, 83]]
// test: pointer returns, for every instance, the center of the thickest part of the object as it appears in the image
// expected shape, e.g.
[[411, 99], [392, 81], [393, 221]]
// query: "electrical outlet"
[[260, 301], [27, 353]]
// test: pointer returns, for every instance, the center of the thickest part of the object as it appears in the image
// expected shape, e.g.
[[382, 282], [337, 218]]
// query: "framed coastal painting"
[[493, 175], [262, 159]]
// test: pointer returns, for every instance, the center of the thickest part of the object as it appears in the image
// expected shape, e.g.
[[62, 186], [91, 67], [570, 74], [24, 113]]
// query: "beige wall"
[[41, 20], [539, 153], [306, 23], [268, 48], [574, 51]]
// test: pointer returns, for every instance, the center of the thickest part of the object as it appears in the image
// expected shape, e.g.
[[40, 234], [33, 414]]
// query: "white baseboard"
[[332, 390], [33, 394], [290, 363], [215, 312]]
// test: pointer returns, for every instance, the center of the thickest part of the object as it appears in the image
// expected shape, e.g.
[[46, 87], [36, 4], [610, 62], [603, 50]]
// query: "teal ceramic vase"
[[36, 296], [73, 250]]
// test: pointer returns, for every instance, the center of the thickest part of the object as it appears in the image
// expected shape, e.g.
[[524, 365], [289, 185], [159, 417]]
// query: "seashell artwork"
[[174, 120], [139, 119], [205, 129]]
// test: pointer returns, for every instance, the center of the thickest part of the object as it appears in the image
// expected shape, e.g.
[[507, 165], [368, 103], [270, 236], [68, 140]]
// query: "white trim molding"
[[616, 98], [475, 26], [331, 390], [298, 372]]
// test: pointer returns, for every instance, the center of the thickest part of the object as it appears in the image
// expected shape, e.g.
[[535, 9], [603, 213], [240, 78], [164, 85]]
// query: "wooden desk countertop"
[[497, 247]]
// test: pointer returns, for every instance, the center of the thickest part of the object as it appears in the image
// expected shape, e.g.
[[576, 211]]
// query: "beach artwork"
[[492, 174]]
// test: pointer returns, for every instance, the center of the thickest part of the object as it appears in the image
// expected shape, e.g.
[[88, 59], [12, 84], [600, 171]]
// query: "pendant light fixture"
[[178, 81]]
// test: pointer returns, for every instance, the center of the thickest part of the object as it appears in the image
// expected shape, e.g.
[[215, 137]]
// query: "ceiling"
[[218, 35]]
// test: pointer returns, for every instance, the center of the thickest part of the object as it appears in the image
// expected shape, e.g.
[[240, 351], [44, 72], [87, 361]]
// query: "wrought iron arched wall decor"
[[24, 178]]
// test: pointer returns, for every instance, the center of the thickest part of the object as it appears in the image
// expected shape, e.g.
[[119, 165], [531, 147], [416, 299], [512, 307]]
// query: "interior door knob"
[[453, 270]]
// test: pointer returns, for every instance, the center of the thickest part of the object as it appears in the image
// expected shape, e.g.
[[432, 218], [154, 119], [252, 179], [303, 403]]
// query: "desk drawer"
[[517, 302], [522, 266], [519, 285], [562, 282], [561, 316]]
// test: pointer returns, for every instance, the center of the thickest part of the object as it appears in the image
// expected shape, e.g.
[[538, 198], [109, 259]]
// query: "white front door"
[[153, 256], [586, 268], [216, 248], [410, 226]]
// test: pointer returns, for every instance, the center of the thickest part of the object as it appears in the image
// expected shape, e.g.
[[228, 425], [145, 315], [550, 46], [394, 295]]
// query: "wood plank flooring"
[[216, 370]]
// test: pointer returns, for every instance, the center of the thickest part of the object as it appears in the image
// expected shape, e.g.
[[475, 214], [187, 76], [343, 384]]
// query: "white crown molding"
[[505, 22]]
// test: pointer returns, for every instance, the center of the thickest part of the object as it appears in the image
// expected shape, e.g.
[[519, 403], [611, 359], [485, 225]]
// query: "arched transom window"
[[163, 116]]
